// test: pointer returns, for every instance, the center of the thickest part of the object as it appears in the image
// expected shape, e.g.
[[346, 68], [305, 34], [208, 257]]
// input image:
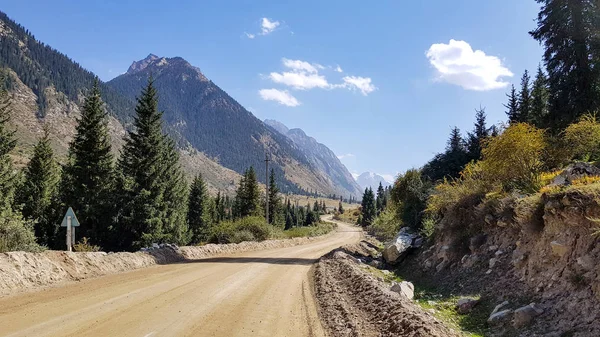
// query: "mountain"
[[203, 116], [48, 89], [320, 157], [370, 179], [215, 134]]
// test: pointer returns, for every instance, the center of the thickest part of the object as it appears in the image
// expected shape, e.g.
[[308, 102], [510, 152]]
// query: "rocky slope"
[[541, 249], [321, 157]]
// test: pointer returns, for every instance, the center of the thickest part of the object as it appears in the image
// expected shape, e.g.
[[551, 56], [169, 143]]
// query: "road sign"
[[74, 221], [70, 221]]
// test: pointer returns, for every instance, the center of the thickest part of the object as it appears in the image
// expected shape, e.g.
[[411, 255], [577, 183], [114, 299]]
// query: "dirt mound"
[[353, 303], [21, 270]]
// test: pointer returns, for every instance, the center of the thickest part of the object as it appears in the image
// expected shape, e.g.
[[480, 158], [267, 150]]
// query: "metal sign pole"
[[69, 235]]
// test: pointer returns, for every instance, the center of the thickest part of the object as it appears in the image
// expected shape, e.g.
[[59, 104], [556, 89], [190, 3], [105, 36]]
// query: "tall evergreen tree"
[[198, 215], [248, 195], [88, 177], [525, 98], [381, 200], [513, 112], [479, 133], [539, 100], [369, 209], [39, 193], [175, 195], [274, 200], [150, 180], [568, 30]]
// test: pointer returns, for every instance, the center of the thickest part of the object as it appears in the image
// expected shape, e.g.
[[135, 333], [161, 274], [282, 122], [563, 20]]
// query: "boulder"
[[525, 315], [397, 248], [575, 171], [404, 288], [558, 249], [465, 305], [499, 316]]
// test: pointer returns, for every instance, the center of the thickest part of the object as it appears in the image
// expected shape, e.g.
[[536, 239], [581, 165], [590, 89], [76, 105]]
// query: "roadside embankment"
[[23, 271]]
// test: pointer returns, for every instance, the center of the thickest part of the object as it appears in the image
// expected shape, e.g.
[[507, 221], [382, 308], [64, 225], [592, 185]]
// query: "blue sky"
[[410, 70]]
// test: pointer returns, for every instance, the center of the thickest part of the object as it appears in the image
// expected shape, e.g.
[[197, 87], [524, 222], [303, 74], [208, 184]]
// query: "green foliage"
[[198, 216], [308, 231], [582, 139], [368, 208], [539, 100], [88, 178], [152, 191], [15, 233], [85, 246], [451, 162], [513, 112], [514, 158], [247, 199], [571, 56], [478, 135], [525, 98], [409, 194], [386, 225], [275, 208], [39, 193], [251, 228]]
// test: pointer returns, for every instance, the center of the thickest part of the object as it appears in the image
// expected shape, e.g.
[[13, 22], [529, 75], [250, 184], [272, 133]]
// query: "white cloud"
[[457, 63], [299, 65], [348, 155], [282, 97], [250, 36], [339, 69], [268, 26], [361, 83], [302, 75], [300, 80]]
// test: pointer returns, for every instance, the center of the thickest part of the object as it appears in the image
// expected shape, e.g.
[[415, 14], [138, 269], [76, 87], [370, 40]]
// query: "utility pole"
[[267, 160]]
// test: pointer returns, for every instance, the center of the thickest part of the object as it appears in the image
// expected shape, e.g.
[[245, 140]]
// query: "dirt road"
[[264, 293]]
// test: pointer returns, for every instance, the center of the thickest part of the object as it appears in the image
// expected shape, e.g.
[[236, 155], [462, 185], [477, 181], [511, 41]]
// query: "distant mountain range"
[[320, 157], [216, 135], [369, 179]]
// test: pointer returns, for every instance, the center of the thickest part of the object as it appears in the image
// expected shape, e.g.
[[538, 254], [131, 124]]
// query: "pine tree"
[[539, 100], [248, 199], [513, 111], [568, 31], [479, 133], [274, 200], [198, 217], [87, 183], [152, 192], [175, 195], [340, 208], [369, 210], [380, 199], [39, 193], [525, 98]]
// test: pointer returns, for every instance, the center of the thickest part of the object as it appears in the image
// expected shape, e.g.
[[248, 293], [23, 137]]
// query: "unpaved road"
[[266, 293]]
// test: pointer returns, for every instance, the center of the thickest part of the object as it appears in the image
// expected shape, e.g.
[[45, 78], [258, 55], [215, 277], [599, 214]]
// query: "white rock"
[[404, 288], [394, 250], [525, 315], [492, 262], [492, 248]]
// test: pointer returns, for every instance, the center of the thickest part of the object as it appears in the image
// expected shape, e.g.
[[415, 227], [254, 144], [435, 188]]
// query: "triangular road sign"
[[74, 221]]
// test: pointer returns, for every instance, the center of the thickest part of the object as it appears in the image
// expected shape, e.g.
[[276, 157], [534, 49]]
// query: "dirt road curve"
[[264, 293]]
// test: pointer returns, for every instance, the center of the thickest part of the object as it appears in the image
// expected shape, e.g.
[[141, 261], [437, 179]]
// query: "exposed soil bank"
[[20, 270], [352, 302]]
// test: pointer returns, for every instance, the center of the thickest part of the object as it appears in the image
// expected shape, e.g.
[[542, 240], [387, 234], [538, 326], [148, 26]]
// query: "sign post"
[[70, 221]]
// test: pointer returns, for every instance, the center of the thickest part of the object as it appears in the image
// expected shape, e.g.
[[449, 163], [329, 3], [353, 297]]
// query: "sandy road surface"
[[264, 293]]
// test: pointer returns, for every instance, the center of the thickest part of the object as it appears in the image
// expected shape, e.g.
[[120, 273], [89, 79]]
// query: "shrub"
[[252, 227], [309, 231], [582, 139], [15, 233], [386, 225], [428, 228], [471, 186], [410, 194], [514, 158], [85, 246]]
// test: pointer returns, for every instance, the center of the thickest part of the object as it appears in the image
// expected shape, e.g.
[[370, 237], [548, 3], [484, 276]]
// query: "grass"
[[309, 231], [443, 303], [349, 216]]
